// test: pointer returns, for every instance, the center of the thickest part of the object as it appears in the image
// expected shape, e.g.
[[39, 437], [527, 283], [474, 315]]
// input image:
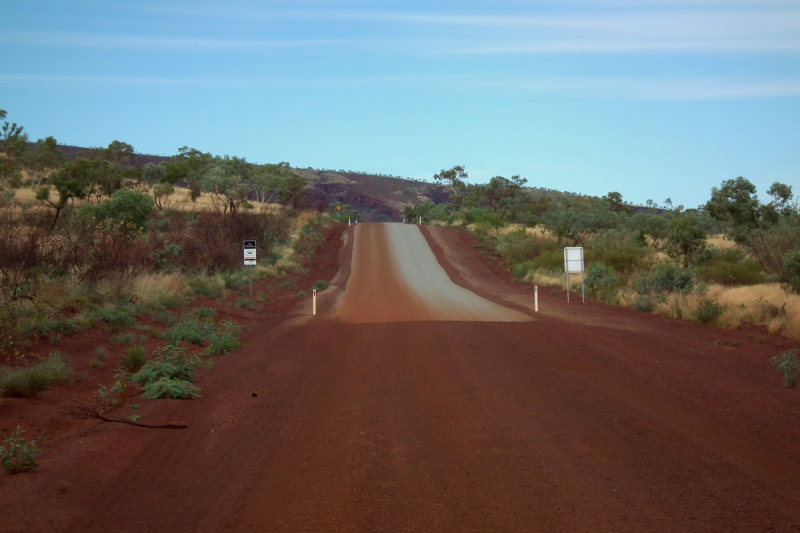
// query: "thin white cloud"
[[605, 88], [142, 42]]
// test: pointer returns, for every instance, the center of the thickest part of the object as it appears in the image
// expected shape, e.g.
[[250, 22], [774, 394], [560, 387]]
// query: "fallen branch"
[[80, 412]]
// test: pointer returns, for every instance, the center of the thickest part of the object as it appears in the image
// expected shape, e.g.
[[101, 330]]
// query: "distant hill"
[[379, 198]]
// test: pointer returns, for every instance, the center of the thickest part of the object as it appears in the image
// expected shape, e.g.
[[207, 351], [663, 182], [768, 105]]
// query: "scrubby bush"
[[170, 362], [204, 312], [123, 338], [31, 380], [127, 207], [665, 278], [729, 267], [320, 285], [205, 286], [708, 311], [244, 303], [790, 272], [789, 366], [134, 360], [644, 302], [190, 329], [18, 453], [225, 339], [170, 388], [601, 279], [114, 316]]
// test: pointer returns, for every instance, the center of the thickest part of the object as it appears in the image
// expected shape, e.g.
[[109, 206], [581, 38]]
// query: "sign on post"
[[250, 259], [573, 264]]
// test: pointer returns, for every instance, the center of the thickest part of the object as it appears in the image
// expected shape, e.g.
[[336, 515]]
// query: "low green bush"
[[708, 311], [789, 367], [170, 388], [123, 338], [301, 294], [244, 303], [225, 339], [18, 453], [31, 380], [190, 329], [134, 360], [204, 312], [665, 278], [731, 268], [165, 317], [601, 280], [50, 328], [114, 316], [170, 362], [205, 287], [320, 285]]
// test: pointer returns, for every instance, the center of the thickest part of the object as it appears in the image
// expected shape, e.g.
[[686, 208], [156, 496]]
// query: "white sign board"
[[249, 253], [573, 260]]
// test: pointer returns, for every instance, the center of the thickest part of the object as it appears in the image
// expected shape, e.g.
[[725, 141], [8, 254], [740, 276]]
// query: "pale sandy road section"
[[396, 278]]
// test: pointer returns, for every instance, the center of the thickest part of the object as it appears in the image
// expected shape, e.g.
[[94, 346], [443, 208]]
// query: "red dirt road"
[[587, 418]]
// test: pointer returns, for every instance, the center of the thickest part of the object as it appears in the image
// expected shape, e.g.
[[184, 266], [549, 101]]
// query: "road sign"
[[573, 264], [338, 208], [249, 253]]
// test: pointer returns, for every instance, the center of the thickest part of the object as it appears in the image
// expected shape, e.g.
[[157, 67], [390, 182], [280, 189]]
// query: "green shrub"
[[320, 285], [167, 257], [225, 340], [204, 312], [101, 352], [31, 380], [134, 360], [789, 366], [114, 316], [205, 287], [123, 338], [127, 207], [601, 279], [301, 294], [168, 300], [234, 280], [665, 278], [50, 328], [708, 311], [790, 271], [190, 329], [744, 272], [165, 317], [244, 303], [170, 362], [170, 388], [18, 453]]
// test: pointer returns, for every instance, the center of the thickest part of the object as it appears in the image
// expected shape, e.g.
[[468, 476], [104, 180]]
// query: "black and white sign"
[[249, 253]]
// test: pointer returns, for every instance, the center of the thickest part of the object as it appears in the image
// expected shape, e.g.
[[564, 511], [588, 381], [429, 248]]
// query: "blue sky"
[[651, 98]]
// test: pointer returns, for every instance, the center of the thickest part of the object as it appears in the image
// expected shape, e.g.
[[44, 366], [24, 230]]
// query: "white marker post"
[[348, 222], [536, 299], [573, 264], [314, 303], [250, 259], [420, 220]]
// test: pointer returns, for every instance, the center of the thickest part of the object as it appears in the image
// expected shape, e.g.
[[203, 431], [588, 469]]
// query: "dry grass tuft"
[[149, 288]]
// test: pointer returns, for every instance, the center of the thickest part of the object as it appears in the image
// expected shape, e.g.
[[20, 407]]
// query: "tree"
[[127, 208], [454, 179], [14, 144], [225, 181], [42, 160], [291, 190], [70, 181], [268, 180], [615, 202], [769, 231], [117, 153], [685, 238], [500, 188]]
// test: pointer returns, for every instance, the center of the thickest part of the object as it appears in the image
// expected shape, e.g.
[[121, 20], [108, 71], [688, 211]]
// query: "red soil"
[[589, 418]]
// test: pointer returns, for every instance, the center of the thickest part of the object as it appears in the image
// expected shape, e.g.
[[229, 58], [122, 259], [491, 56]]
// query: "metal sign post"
[[573, 264], [250, 259]]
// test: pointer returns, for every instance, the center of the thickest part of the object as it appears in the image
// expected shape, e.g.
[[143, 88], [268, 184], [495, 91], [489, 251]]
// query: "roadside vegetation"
[[142, 254], [733, 260]]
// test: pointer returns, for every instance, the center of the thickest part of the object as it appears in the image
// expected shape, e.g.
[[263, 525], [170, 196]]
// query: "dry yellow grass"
[[720, 242], [764, 305], [149, 287]]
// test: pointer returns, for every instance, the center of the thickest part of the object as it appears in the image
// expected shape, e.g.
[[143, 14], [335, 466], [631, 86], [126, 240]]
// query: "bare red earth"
[[589, 418]]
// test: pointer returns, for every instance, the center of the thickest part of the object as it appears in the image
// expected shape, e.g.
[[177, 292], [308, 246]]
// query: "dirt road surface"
[[383, 414]]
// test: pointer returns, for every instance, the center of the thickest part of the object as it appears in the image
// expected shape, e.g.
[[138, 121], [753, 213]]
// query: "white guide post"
[[420, 220], [573, 264], [536, 299], [348, 222], [314, 303]]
